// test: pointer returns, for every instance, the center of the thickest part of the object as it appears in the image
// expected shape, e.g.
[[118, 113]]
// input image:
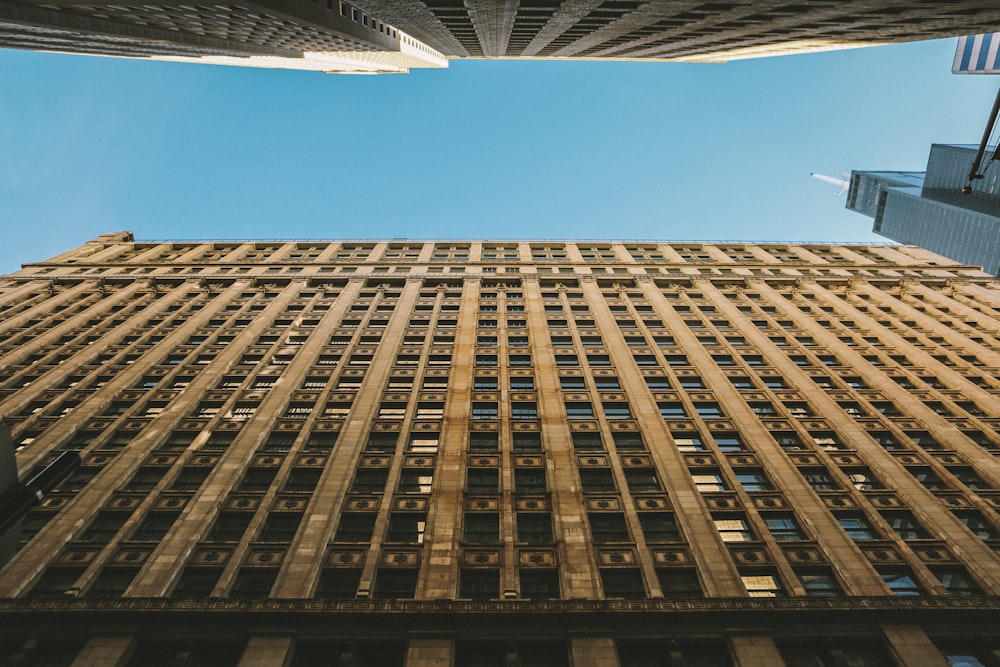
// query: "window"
[[762, 585], [527, 443], [369, 481], [819, 479], [481, 480], [196, 583], [728, 442], [901, 583], [539, 584], [862, 479], [155, 526], [857, 527], [395, 584], [55, 582], [483, 442], [579, 410], [523, 410], [338, 583], [534, 528], [753, 480], [355, 527], [679, 583], [530, 480], [382, 442], [617, 411], [104, 527], [708, 410], [623, 583], [733, 529], [928, 479], [819, 584], [280, 527], [671, 410], [827, 441], [657, 383], [485, 384], [584, 442], [521, 383], [608, 527], [481, 528], [688, 442], [659, 527], [709, 482], [975, 522], [968, 477], [253, 583], [424, 443], [741, 382], [479, 585], [483, 410], [597, 480], [230, 526], [783, 527], [257, 479], [956, 580], [429, 409], [405, 528], [626, 441], [416, 480], [642, 480]]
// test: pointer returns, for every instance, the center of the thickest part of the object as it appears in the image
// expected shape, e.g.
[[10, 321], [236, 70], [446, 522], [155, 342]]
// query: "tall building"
[[331, 35], [929, 208], [504, 453]]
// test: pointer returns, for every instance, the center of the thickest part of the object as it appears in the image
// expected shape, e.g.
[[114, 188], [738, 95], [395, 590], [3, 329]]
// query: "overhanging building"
[[504, 453], [929, 208], [393, 35]]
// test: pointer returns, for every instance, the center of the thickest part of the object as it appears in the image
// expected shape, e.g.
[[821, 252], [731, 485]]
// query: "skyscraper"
[[504, 453], [929, 208], [326, 37], [330, 35]]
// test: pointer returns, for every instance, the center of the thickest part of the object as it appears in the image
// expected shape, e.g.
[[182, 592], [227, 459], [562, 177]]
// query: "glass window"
[[783, 527], [481, 528], [708, 482], [608, 527], [901, 583], [956, 580], [905, 525], [753, 481], [857, 527], [819, 584], [733, 529], [762, 585], [534, 528], [659, 527]]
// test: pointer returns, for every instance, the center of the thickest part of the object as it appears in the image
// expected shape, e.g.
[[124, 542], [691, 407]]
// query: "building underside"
[[307, 33]]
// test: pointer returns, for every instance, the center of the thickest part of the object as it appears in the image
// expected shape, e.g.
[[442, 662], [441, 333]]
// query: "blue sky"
[[485, 149]]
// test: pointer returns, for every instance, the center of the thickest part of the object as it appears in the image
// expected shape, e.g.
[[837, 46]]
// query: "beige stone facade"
[[504, 453]]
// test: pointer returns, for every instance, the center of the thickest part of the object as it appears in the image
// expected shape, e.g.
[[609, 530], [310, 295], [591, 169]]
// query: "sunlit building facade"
[[504, 454]]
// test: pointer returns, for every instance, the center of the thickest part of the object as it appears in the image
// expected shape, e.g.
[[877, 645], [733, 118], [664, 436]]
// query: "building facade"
[[392, 35], [332, 37], [929, 208], [504, 453]]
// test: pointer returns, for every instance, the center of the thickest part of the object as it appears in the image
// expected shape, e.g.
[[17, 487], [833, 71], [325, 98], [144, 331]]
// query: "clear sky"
[[485, 149]]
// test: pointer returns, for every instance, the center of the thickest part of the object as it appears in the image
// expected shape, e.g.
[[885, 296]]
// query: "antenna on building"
[[844, 181], [978, 168]]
